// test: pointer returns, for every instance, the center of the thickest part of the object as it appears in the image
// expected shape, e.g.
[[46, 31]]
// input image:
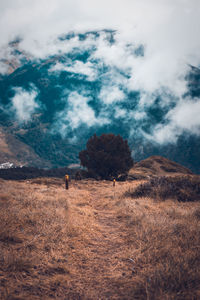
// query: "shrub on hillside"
[[178, 188], [106, 156]]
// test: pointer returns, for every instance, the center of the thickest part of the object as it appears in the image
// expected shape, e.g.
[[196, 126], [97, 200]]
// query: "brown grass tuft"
[[161, 188]]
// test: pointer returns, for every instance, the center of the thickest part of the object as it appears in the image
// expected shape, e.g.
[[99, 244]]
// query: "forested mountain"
[[51, 104]]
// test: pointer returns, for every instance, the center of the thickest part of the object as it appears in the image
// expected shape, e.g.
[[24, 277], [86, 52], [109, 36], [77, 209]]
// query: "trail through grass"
[[92, 242]]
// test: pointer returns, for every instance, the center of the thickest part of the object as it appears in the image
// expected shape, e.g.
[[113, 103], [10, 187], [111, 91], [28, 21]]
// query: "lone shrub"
[[106, 156]]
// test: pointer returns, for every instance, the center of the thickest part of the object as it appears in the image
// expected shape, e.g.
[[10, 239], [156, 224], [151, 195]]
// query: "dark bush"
[[106, 156], [178, 188]]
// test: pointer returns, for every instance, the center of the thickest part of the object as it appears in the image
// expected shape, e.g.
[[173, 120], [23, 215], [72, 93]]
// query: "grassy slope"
[[92, 242], [157, 166], [15, 151]]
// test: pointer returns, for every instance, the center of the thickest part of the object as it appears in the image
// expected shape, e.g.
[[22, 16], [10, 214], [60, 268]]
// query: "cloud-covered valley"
[[131, 67]]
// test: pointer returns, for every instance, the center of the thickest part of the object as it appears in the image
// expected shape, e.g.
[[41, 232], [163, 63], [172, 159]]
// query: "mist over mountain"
[[54, 104], [68, 71]]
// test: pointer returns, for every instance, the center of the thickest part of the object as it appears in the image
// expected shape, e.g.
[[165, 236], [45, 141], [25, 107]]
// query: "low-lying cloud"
[[148, 50], [78, 67], [24, 104], [111, 94], [183, 118], [77, 112]]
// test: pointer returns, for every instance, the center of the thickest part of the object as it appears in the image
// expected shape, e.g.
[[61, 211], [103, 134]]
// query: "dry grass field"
[[95, 241]]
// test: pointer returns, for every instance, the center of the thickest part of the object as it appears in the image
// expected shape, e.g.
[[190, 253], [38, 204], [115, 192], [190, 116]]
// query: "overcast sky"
[[168, 29], [169, 26]]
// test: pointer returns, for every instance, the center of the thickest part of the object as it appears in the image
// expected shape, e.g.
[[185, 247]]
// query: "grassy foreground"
[[95, 242]]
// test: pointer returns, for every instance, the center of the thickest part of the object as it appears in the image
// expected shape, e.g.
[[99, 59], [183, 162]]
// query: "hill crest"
[[157, 166]]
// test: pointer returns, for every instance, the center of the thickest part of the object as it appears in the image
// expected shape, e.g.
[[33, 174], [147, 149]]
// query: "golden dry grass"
[[91, 242]]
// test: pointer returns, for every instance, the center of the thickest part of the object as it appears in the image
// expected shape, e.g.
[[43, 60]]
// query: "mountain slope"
[[14, 151], [53, 104]]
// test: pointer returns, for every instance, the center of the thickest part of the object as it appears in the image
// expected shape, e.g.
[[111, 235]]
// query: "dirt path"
[[64, 244], [91, 242], [105, 272]]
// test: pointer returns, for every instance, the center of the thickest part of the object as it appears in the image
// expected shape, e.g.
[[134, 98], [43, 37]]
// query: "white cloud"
[[24, 103], [139, 115], [168, 29], [111, 94], [77, 112], [4, 68], [78, 67], [183, 118], [120, 112]]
